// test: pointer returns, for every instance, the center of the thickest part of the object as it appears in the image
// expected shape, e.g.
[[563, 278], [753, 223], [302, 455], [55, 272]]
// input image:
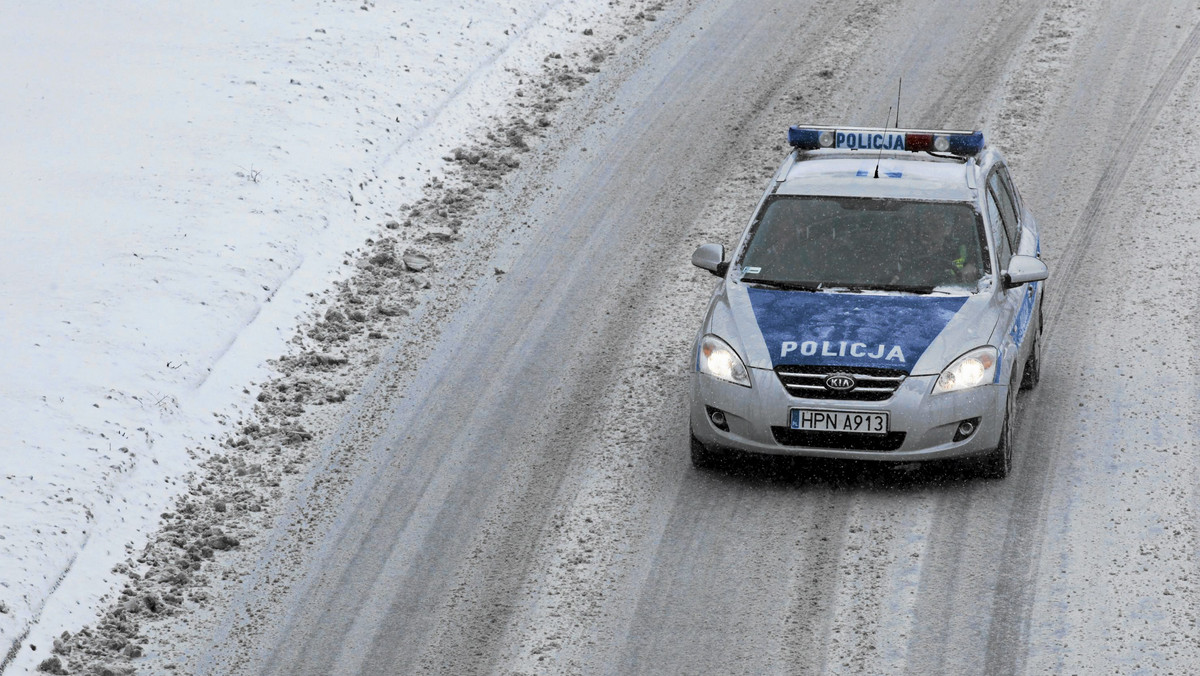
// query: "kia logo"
[[839, 381]]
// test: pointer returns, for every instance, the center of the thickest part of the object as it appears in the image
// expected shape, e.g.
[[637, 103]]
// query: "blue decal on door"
[[1024, 314]]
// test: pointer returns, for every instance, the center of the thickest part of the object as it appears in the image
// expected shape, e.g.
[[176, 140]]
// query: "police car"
[[884, 303]]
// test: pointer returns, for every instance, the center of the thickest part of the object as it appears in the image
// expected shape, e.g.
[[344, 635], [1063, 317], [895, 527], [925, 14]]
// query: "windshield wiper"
[[909, 288], [853, 288], [790, 286]]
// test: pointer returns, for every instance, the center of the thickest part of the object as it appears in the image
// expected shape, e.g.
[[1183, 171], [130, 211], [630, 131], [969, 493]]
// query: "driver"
[[942, 254]]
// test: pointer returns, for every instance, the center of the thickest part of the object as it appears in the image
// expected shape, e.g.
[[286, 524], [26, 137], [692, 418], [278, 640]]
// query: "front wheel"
[[998, 463], [704, 457]]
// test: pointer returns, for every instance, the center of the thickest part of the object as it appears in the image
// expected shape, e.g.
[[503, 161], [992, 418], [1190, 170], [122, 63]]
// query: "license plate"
[[856, 422]]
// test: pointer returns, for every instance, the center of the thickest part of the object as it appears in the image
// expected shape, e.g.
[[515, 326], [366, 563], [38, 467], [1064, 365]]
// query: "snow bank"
[[178, 182]]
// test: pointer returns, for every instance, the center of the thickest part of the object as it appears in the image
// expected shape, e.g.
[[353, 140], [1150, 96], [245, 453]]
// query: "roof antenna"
[[880, 155], [899, 88]]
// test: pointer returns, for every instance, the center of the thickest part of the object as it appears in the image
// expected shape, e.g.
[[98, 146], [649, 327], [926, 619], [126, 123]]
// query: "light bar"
[[964, 143]]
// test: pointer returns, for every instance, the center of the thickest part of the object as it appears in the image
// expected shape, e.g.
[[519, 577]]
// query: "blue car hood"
[[848, 329]]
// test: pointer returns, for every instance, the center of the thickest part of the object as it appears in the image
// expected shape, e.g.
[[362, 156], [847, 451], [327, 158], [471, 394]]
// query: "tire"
[[1042, 304], [703, 457], [998, 463], [1033, 366]]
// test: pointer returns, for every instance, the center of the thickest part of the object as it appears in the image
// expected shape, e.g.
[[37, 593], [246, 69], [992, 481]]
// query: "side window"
[[1010, 188], [1008, 209], [985, 248], [996, 226]]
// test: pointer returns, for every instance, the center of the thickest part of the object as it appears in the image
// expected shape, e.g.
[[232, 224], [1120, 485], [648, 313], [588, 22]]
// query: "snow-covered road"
[[506, 489]]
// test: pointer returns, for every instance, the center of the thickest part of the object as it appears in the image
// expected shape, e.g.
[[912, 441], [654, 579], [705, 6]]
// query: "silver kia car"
[[884, 303]]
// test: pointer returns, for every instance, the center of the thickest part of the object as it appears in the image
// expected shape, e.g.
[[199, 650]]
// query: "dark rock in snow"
[[220, 542], [436, 236], [389, 310], [109, 670], [383, 258], [52, 665]]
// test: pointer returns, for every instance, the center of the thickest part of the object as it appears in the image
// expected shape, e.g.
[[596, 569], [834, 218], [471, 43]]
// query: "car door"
[[1018, 302]]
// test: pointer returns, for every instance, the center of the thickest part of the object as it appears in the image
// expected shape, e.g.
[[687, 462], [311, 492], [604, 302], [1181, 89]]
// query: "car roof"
[[901, 175]]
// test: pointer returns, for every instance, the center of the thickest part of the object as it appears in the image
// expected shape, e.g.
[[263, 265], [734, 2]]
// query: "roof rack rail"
[[786, 168]]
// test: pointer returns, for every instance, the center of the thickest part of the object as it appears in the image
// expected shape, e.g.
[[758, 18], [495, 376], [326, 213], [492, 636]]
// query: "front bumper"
[[757, 418]]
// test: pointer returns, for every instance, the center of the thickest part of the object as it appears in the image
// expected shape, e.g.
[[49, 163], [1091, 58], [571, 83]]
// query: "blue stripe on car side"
[[1024, 315]]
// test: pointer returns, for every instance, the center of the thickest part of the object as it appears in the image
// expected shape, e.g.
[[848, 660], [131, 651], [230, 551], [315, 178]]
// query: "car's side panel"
[[731, 318], [1015, 341]]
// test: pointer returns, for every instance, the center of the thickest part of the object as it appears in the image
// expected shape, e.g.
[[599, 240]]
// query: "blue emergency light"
[[963, 143]]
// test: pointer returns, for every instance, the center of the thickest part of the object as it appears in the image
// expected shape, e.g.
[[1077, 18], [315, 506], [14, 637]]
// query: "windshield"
[[855, 242]]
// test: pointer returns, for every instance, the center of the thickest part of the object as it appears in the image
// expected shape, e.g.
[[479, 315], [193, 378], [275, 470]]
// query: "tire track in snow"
[[1091, 221], [983, 69], [965, 523], [1014, 592], [811, 611]]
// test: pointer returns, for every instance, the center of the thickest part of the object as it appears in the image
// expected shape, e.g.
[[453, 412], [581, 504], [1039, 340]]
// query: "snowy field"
[[179, 182]]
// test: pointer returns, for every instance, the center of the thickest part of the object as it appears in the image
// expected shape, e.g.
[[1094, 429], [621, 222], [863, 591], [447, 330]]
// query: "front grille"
[[871, 384], [838, 440]]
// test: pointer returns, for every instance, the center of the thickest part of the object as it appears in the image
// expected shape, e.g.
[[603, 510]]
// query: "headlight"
[[719, 360], [973, 368]]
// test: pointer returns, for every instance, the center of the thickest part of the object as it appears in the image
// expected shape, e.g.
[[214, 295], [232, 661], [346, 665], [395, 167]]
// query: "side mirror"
[[1024, 269], [711, 257]]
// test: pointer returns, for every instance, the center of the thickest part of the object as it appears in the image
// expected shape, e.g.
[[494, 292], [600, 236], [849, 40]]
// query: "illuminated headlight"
[[976, 367], [719, 360]]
